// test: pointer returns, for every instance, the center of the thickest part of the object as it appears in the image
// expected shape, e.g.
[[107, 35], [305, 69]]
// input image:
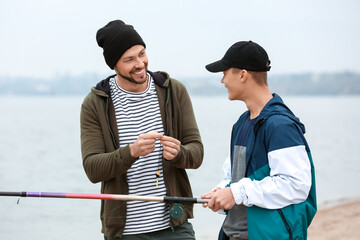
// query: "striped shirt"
[[138, 113]]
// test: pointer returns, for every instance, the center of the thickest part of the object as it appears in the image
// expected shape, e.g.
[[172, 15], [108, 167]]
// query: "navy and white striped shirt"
[[138, 113]]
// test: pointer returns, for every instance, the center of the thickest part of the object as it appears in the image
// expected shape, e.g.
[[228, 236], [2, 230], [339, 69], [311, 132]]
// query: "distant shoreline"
[[311, 84]]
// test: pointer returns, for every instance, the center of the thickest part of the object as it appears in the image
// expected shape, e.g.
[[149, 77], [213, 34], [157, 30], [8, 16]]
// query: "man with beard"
[[138, 135]]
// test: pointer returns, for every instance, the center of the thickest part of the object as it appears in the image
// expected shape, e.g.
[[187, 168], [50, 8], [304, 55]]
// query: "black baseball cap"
[[246, 55]]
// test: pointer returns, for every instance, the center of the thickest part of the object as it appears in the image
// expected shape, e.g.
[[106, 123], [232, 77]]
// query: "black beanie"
[[115, 38]]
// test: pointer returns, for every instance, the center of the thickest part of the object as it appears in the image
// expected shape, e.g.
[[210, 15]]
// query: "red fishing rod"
[[183, 200], [175, 211]]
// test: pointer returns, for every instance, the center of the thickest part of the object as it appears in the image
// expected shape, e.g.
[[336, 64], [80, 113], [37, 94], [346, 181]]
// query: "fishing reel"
[[176, 211]]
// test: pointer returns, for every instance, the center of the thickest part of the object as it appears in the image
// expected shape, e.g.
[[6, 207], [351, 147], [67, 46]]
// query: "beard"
[[132, 80]]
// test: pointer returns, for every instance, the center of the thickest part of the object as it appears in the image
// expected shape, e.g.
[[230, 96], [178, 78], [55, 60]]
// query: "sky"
[[42, 38]]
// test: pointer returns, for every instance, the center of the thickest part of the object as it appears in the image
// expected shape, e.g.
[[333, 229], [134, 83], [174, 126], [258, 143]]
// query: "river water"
[[40, 151]]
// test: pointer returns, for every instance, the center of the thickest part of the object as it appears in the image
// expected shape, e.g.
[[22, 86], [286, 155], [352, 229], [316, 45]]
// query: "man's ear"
[[243, 75]]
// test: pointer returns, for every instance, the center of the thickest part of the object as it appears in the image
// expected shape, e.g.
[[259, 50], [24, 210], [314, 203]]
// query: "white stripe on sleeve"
[[289, 181]]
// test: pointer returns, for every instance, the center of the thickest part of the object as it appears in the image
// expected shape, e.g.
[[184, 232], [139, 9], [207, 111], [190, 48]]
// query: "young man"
[[269, 183], [138, 135]]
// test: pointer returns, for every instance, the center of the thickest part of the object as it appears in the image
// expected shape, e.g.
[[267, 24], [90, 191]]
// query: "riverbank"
[[338, 222]]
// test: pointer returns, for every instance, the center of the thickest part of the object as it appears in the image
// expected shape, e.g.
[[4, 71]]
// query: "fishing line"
[[175, 210], [82, 221], [5, 208], [46, 211], [89, 221], [97, 219]]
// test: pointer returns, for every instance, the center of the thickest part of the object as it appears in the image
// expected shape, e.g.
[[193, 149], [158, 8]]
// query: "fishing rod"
[[168, 199]]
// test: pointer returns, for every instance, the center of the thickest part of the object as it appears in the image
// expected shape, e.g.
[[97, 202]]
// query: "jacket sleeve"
[[290, 173], [191, 150], [101, 161], [227, 173]]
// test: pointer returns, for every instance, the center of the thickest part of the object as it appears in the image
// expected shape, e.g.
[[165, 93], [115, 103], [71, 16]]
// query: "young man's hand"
[[220, 199], [208, 195]]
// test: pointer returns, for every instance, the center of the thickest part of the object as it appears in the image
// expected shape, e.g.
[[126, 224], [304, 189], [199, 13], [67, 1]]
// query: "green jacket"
[[105, 162]]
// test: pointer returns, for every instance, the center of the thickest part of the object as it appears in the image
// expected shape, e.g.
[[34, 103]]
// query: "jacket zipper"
[[260, 122], [108, 123], [166, 112], [285, 223], [287, 226]]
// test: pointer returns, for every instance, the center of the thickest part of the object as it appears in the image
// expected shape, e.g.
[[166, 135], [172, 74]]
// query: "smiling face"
[[131, 69]]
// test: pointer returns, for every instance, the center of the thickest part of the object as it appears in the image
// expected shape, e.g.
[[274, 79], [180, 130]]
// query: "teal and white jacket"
[[279, 184]]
